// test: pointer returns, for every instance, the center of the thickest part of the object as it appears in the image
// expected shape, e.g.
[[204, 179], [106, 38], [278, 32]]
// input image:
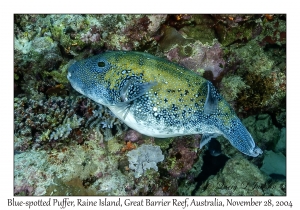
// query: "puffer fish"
[[159, 98]]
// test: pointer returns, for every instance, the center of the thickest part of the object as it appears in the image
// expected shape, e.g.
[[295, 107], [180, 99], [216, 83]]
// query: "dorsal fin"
[[211, 101]]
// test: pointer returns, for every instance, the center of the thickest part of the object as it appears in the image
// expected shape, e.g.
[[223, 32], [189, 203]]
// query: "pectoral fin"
[[131, 90]]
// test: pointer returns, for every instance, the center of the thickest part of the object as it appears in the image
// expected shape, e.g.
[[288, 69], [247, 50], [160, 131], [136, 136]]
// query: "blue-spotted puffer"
[[159, 98]]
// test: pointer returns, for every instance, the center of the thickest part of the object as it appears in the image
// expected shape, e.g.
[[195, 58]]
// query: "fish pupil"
[[101, 64]]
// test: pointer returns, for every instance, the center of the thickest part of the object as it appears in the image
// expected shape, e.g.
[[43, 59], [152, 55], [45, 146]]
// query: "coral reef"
[[263, 130], [250, 181], [193, 54], [281, 144], [132, 136], [65, 144], [143, 158], [69, 165], [39, 122], [64, 129], [235, 27], [232, 86], [261, 67], [274, 164], [182, 155]]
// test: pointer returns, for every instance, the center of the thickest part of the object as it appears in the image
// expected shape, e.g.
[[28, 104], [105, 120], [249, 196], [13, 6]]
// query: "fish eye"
[[101, 64]]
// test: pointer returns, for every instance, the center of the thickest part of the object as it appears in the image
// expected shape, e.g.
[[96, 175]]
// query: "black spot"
[[101, 64], [174, 107], [171, 91], [178, 156]]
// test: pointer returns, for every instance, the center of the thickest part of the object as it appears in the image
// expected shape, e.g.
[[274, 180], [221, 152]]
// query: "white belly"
[[146, 128]]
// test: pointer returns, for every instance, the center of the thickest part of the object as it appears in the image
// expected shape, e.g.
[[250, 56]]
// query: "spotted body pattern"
[[159, 98]]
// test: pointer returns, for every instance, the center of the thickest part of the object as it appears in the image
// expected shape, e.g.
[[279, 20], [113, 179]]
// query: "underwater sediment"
[[66, 144]]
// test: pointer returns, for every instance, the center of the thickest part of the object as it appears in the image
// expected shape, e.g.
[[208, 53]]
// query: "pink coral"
[[23, 187], [182, 155], [132, 136], [204, 57], [90, 36]]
